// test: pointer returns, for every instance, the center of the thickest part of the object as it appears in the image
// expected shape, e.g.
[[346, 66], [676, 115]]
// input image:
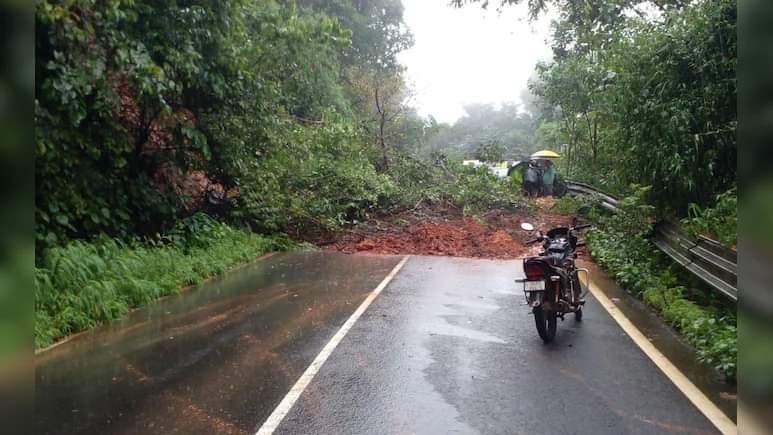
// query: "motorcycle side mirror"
[[527, 226]]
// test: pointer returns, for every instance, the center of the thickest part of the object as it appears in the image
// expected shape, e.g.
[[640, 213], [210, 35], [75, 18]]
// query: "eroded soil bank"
[[444, 230]]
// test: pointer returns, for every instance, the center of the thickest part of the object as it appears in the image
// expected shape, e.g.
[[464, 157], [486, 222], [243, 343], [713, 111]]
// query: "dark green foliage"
[[674, 100], [719, 221], [473, 190], [83, 284], [320, 180], [653, 103], [144, 112], [105, 71], [379, 33]]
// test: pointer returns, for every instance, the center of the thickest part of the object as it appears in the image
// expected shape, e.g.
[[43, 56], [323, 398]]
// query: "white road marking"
[[276, 417], [696, 396]]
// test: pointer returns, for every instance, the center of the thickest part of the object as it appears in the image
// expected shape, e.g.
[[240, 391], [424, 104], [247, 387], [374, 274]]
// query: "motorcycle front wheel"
[[546, 324]]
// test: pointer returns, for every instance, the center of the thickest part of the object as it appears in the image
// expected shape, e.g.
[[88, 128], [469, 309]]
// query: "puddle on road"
[[667, 341], [216, 359]]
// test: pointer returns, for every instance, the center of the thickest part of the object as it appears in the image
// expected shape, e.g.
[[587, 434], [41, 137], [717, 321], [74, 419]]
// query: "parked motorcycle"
[[552, 285]]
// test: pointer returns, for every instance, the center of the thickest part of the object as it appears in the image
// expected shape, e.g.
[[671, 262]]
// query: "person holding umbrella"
[[532, 178], [548, 178], [548, 170]]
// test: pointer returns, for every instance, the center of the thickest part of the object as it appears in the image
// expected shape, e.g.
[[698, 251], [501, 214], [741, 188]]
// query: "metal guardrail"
[[703, 257], [606, 200], [713, 263]]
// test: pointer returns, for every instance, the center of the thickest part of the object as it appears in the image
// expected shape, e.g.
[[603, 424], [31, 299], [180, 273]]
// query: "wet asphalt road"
[[448, 347], [212, 361]]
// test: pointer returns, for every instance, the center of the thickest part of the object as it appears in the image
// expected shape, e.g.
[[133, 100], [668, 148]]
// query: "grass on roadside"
[[719, 222], [571, 205], [84, 284]]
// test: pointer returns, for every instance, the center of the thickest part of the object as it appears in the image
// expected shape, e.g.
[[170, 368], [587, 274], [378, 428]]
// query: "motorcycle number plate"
[[531, 286]]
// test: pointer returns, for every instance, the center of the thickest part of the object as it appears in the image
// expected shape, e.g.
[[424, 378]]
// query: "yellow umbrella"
[[545, 154]]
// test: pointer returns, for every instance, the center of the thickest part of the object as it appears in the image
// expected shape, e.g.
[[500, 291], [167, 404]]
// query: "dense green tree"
[[373, 78], [573, 87], [378, 30], [643, 95], [146, 114], [673, 104]]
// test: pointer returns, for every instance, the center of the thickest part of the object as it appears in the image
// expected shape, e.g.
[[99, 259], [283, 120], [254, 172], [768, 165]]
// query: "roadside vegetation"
[[277, 116], [443, 181], [646, 98], [718, 221], [269, 116], [83, 284], [175, 142]]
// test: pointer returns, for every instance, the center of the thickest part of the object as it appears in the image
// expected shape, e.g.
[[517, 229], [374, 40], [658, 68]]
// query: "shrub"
[[83, 284], [570, 205], [472, 189], [321, 178], [719, 222]]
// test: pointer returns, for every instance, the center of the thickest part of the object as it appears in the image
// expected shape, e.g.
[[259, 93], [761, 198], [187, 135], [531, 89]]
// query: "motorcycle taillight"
[[534, 271]]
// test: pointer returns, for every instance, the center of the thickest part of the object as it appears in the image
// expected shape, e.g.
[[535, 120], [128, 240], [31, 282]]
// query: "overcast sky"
[[469, 55]]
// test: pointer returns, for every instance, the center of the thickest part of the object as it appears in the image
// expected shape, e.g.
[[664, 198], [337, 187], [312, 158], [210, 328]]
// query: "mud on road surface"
[[444, 230]]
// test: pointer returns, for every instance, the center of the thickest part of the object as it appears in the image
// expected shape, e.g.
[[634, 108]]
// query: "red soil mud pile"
[[461, 238], [495, 234]]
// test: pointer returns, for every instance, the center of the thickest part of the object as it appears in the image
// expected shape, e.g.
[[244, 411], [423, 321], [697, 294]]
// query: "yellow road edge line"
[[718, 418], [275, 419]]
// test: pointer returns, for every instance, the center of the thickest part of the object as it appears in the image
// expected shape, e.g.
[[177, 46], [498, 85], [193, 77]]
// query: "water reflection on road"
[[216, 359]]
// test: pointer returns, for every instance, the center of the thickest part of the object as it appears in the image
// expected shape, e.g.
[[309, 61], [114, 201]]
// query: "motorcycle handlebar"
[[543, 237]]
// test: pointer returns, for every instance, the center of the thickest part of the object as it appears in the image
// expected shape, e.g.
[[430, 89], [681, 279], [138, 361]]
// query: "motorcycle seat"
[[553, 261]]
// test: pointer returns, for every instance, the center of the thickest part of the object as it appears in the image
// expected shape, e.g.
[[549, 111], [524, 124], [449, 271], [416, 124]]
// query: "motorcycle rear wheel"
[[546, 324]]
